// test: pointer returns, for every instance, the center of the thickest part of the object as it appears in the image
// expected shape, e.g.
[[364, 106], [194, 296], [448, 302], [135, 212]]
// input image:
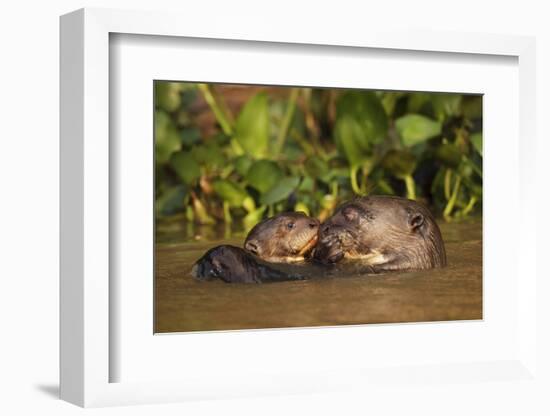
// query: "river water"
[[184, 304]]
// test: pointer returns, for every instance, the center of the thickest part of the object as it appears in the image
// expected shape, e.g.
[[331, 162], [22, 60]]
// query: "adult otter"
[[286, 237], [386, 233], [234, 265]]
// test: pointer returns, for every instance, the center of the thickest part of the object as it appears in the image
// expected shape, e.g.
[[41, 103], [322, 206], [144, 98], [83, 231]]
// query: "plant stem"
[[201, 215], [353, 180], [334, 189], [470, 205], [447, 183], [311, 123], [451, 203], [473, 166], [223, 107], [226, 213], [216, 109], [308, 149], [287, 119], [409, 183]]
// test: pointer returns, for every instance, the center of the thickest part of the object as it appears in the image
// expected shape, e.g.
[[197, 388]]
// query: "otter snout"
[[330, 248]]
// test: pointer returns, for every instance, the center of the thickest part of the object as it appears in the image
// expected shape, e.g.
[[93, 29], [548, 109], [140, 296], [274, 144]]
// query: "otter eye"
[[291, 225]]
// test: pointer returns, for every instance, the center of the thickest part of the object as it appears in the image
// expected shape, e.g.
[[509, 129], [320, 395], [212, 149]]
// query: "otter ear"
[[416, 220], [253, 247], [350, 214]]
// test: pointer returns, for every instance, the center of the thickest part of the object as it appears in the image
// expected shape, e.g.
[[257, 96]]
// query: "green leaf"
[[307, 185], [209, 155], [400, 163], [190, 136], [389, 99], [185, 166], [171, 200], [252, 126], [167, 95], [167, 140], [368, 112], [292, 152], [477, 141], [446, 105], [414, 129], [417, 102], [350, 140], [472, 106], [242, 164], [263, 175], [280, 191], [253, 217], [162, 120], [449, 154], [316, 167], [230, 192]]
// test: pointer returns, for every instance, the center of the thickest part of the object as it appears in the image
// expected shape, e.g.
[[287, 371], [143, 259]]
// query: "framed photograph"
[[279, 214], [286, 173]]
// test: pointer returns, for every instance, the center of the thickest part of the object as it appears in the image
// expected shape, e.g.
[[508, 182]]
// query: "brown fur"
[[387, 233], [289, 236]]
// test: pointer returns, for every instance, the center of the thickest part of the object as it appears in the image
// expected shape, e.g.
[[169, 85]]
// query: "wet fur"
[[405, 237], [234, 265], [273, 241], [387, 233]]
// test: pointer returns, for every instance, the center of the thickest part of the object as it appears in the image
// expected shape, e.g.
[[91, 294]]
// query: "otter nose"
[[313, 224]]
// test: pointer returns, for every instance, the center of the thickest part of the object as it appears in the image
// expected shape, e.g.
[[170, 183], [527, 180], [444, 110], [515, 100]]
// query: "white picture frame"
[[86, 293]]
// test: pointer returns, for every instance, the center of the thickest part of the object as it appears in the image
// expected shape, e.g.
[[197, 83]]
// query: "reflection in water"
[[184, 304]]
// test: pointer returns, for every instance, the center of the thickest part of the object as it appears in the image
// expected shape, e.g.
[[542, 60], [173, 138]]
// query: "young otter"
[[386, 233], [286, 237], [234, 265]]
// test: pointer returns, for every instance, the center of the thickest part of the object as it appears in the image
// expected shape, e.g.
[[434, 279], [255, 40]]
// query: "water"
[[184, 304]]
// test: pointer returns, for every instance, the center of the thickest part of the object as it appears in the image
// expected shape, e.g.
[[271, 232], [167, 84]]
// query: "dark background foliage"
[[230, 153]]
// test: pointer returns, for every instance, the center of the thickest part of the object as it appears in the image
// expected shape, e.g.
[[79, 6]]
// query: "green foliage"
[[400, 163], [263, 175], [167, 95], [222, 159], [280, 191], [351, 141], [167, 137], [230, 192], [170, 201], [414, 129], [366, 109], [477, 142], [252, 128], [185, 166]]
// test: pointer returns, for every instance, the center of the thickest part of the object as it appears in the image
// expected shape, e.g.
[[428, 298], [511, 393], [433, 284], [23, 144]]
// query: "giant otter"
[[234, 265], [382, 233], [385, 233], [286, 237]]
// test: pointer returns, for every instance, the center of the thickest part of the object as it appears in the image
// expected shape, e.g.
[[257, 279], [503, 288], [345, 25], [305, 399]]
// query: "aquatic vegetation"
[[228, 154]]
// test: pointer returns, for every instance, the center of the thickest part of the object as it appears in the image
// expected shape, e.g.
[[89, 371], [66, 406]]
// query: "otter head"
[[388, 233], [289, 236], [227, 263]]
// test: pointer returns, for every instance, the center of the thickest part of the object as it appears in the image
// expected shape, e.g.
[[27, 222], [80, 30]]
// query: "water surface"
[[185, 304]]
